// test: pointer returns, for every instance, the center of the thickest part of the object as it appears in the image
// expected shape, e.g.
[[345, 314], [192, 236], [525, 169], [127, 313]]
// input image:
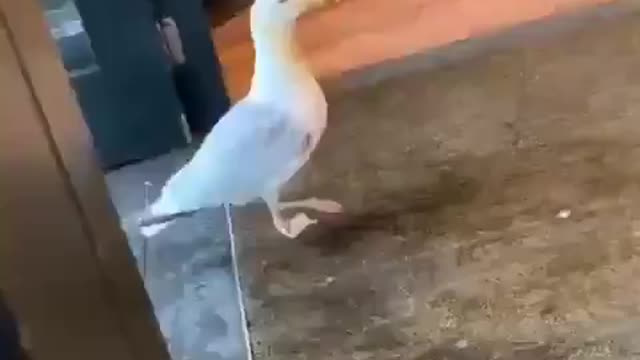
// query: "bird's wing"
[[253, 147]]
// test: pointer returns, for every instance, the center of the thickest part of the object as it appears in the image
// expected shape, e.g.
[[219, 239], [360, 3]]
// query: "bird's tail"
[[158, 216]]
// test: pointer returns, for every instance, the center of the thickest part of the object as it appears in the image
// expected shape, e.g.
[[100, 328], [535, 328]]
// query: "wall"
[[358, 33]]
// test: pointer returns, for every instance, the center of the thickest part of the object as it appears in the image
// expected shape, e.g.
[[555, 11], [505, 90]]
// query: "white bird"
[[265, 138]]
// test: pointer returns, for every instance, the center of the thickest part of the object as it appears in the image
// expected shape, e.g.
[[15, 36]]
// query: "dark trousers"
[[10, 348]]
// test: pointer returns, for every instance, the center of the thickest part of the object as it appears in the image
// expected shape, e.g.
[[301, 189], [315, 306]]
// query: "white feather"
[[266, 137]]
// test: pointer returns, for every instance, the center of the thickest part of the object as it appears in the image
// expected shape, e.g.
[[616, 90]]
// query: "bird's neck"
[[277, 61]]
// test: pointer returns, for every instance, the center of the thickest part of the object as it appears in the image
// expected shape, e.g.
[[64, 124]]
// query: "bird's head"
[[275, 13]]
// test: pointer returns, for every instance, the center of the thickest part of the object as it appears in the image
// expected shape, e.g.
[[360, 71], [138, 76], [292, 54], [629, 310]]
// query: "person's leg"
[[197, 72]]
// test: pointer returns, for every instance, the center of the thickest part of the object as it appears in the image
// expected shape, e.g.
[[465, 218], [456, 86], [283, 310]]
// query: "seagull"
[[263, 140]]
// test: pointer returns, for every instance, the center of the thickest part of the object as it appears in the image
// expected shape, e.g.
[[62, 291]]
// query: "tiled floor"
[[188, 269]]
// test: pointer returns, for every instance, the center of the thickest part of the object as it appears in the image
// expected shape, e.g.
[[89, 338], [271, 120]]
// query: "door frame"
[[65, 264]]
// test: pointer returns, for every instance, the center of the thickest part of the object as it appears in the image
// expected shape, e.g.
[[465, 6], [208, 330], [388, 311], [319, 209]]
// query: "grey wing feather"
[[251, 148]]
